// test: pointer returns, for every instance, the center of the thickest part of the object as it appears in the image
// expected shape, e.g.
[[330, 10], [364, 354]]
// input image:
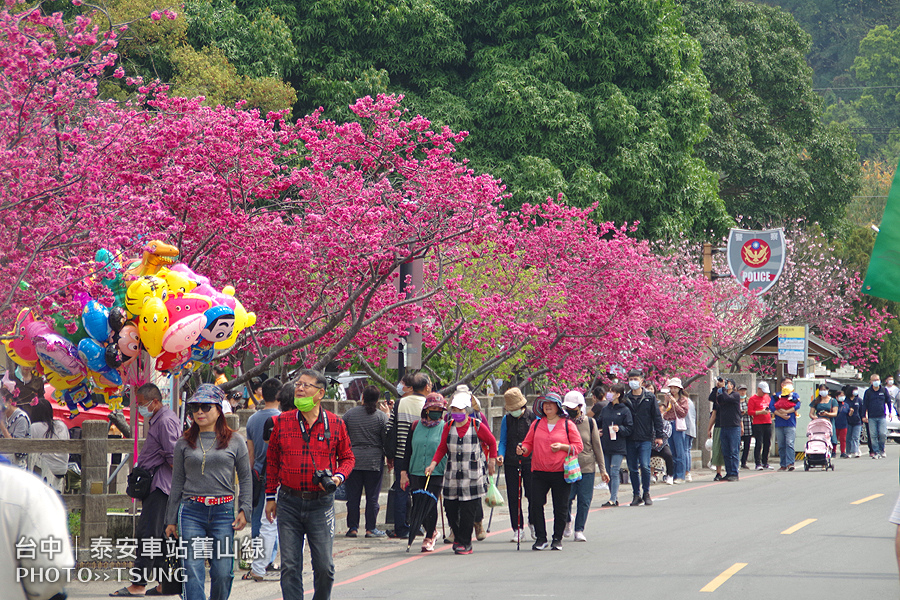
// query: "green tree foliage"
[[776, 160], [836, 28], [602, 101]]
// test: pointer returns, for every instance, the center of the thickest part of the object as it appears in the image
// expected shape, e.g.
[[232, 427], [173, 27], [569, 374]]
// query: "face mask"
[[435, 415], [517, 413], [305, 404], [856, 392], [634, 384], [876, 384], [823, 393], [890, 382], [573, 412], [144, 411], [609, 396], [743, 396], [458, 417], [840, 398]]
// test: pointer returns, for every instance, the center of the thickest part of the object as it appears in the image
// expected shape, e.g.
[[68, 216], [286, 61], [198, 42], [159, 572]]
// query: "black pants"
[[745, 453], [461, 514], [371, 481], [665, 453], [151, 524], [516, 512], [762, 433], [555, 483], [435, 486]]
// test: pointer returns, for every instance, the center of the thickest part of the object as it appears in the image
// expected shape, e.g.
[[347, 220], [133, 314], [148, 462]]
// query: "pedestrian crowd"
[[206, 481]]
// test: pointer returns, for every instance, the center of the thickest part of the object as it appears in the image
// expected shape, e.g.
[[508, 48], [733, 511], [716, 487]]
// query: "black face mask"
[[435, 415], [573, 412]]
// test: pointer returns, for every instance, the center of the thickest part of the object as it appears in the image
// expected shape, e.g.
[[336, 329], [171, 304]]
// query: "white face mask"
[[634, 384], [876, 384], [856, 392], [890, 382], [609, 396], [823, 393]]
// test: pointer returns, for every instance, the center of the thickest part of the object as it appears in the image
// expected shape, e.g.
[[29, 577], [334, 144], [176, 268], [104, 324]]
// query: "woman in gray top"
[[203, 495]]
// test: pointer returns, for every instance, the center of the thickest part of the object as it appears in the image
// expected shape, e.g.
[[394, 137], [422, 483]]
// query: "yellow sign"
[[791, 332]]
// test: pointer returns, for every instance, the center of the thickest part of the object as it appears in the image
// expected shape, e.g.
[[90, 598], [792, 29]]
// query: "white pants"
[[269, 534]]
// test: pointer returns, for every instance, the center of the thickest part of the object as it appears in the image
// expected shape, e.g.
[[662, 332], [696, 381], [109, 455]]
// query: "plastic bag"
[[493, 496], [571, 469]]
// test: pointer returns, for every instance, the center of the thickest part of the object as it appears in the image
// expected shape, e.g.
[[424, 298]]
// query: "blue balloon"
[[95, 317], [93, 354]]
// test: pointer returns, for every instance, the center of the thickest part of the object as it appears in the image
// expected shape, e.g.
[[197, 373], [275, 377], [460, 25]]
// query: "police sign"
[[756, 258]]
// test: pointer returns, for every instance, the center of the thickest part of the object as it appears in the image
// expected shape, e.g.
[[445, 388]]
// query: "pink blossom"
[[155, 15]]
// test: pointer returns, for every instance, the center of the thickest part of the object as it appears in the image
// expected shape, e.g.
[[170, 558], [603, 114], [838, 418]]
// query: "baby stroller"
[[818, 445]]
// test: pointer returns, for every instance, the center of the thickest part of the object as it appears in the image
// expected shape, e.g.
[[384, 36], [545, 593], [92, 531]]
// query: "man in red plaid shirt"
[[309, 455]]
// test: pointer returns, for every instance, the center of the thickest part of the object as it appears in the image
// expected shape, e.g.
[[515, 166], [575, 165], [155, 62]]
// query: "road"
[[792, 534]]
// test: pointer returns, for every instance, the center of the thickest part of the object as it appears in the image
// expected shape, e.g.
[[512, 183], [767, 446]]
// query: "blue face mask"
[[144, 411]]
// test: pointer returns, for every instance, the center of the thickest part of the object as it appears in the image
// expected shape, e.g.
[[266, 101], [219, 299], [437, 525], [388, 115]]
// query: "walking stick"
[[443, 529], [520, 511]]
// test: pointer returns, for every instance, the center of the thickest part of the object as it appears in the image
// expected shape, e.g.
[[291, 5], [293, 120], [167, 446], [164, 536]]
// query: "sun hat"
[[462, 397], [514, 399], [208, 393], [549, 397], [434, 401], [675, 382], [573, 399]]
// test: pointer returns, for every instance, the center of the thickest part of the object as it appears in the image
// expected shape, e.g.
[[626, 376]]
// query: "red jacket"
[[537, 444]]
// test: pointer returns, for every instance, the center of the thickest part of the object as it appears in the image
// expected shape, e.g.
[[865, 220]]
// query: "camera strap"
[[307, 437]]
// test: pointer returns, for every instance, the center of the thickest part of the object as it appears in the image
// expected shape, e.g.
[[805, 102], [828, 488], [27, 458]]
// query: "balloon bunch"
[[161, 307]]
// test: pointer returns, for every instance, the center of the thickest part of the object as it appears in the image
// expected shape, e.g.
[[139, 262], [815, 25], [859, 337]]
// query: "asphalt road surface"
[[795, 534]]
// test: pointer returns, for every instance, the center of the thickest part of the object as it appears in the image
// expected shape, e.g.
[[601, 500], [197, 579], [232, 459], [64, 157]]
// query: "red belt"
[[212, 500]]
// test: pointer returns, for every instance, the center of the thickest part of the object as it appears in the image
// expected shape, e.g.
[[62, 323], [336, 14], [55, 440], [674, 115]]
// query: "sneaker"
[[856, 455], [609, 503], [768, 467], [844, 455], [350, 533], [636, 501], [782, 468], [394, 535], [791, 468], [376, 533], [540, 545], [428, 545], [884, 455], [556, 545], [730, 478], [759, 467], [744, 466], [479, 532], [518, 536], [678, 481], [463, 549], [567, 532], [668, 479], [601, 486], [688, 477], [579, 536], [448, 539], [647, 500], [718, 477], [273, 568]]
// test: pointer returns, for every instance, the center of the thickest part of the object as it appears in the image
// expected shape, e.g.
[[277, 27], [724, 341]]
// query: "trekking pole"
[[443, 529], [520, 516]]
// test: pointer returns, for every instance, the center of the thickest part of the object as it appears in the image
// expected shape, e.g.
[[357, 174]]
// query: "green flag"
[[883, 274]]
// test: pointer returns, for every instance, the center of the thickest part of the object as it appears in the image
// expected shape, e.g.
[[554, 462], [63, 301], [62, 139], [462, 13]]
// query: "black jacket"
[[648, 423], [728, 409], [615, 414]]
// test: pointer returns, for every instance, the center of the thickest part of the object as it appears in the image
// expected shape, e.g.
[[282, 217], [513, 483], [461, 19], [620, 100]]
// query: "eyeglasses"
[[300, 384], [204, 407]]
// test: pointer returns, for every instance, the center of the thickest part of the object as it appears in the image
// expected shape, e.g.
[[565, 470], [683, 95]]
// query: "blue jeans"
[[583, 489], [197, 520], [784, 437], [853, 432], [613, 467], [639, 465], [878, 431], [313, 519], [680, 455], [730, 438]]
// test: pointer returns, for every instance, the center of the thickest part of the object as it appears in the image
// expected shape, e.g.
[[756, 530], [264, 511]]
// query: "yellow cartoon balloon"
[[242, 320], [152, 325], [175, 281], [142, 290]]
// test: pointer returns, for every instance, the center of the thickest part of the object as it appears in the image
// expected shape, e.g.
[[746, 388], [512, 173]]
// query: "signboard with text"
[[756, 258]]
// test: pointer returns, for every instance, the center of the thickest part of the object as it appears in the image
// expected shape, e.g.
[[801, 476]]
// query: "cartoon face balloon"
[[182, 334], [129, 341], [219, 324], [181, 305], [113, 356], [176, 282], [117, 318], [140, 291], [152, 325]]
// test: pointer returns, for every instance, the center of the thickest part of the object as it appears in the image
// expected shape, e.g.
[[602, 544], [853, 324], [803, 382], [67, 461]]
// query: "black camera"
[[324, 478]]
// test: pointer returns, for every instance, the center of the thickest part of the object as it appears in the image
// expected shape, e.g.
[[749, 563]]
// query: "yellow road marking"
[[867, 498], [798, 526], [725, 576]]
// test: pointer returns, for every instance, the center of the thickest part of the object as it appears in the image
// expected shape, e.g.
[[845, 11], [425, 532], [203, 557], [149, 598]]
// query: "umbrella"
[[520, 514], [423, 502]]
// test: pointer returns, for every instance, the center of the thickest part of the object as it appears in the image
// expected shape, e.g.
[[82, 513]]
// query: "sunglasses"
[[201, 407]]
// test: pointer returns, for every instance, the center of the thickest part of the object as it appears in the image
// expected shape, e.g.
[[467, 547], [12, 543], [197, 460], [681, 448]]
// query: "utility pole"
[[708, 251]]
